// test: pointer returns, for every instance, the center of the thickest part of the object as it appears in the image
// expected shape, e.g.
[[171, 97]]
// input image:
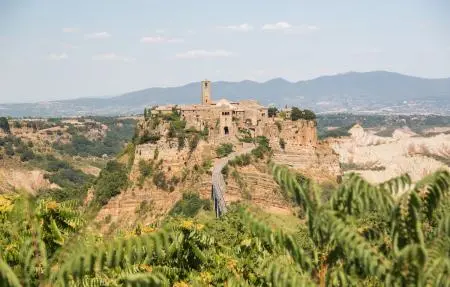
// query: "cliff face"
[[320, 163], [126, 208], [295, 134], [295, 144], [254, 185]]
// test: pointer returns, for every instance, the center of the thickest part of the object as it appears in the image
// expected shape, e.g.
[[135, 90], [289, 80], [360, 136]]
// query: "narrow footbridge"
[[218, 183]]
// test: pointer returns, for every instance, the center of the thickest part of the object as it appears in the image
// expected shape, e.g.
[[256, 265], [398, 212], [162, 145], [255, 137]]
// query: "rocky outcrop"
[[320, 162], [295, 134]]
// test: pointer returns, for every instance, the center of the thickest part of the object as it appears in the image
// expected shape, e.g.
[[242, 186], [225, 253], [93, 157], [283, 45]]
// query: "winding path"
[[218, 183]]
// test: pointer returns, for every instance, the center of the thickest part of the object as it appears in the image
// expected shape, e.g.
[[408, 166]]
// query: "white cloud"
[[70, 30], [98, 35], [195, 54], [112, 57], [159, 40], [277, 26], [57, 57], [290, 29], [241, 28]]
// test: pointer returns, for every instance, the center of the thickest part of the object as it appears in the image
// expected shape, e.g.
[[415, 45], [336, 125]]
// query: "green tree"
[[112, 179], [272, 111], [297, 114], [4, 125]]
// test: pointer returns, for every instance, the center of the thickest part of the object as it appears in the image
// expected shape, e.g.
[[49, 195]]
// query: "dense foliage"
[[393, 234], [224, 149], [12, 145], [4, 125], [272, 112], [119, 131], [112, 179], [297, 114], [190, 205]]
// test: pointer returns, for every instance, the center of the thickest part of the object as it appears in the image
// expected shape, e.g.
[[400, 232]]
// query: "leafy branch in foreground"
[[395, 249]]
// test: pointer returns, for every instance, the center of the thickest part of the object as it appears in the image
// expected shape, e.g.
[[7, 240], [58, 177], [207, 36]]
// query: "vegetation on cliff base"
[[112, 179], [224, 149], [190, 205], [363, 235], [119, 132]]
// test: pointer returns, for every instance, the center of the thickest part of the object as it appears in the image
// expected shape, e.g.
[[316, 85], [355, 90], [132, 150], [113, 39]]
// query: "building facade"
[[223, 118]]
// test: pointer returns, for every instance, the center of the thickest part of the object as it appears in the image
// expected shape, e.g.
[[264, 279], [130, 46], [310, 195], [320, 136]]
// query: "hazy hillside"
[[381, 92]]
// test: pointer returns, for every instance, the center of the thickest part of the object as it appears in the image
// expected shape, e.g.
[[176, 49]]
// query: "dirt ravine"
[[381, 158]]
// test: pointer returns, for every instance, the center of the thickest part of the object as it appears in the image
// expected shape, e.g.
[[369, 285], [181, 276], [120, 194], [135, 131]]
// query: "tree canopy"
[[297, 114], [4, 125]]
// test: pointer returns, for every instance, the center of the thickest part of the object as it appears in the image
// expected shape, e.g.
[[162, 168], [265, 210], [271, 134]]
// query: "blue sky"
[[52, 50]]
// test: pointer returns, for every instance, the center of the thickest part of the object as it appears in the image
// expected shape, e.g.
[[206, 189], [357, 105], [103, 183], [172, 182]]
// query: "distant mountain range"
[[370, 92]]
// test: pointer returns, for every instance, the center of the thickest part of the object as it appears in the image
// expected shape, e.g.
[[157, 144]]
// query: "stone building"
[[223, 118]]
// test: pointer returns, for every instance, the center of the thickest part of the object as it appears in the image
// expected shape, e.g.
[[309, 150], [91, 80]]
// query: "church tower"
[[206, 92]]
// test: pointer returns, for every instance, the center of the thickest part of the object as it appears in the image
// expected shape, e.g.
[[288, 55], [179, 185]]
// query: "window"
[[226, 131]]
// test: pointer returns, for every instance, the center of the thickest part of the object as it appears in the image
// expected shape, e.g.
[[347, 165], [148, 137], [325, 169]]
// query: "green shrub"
[[297, 114], [4, 125], [263, 141], [27, 155], [246, 136], [69, 178], [143, 208], [225, 171], [193, 142], [224, 149], [17, 124], [207, 164], [190, 205], [145, 168], [54, 164], [181, 141], [112, 179], [272, 112], [159, 179], [241, 160], [9, 149], [149, 138]]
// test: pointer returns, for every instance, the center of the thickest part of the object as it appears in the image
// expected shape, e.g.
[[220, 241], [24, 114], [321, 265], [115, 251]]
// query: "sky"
[[54, 50]]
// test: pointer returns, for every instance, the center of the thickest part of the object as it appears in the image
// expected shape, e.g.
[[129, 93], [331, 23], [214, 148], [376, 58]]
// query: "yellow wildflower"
[[199, 226], [180, 284], [187, 224], [146, 267], [147, 229], [206, 277], [52, 205], [231, 264]]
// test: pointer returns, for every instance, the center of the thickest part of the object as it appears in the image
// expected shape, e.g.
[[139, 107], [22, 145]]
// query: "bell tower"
[[206, 92]]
